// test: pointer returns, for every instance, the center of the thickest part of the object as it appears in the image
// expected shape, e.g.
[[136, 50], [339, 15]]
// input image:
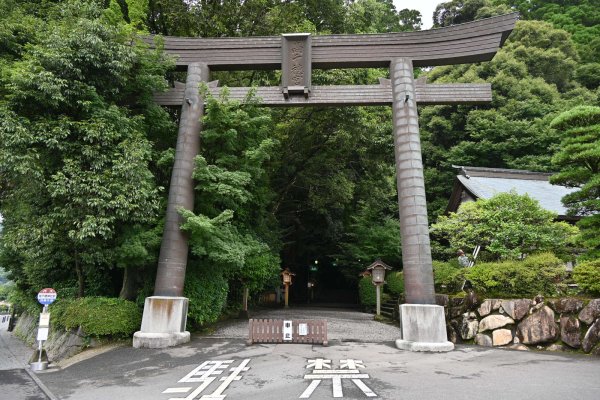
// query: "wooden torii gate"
[[422, 322]]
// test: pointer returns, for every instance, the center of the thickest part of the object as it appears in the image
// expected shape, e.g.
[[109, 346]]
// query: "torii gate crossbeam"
[[422, 322]]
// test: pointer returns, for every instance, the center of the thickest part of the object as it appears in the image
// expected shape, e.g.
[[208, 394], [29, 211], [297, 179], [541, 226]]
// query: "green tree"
[[579, 164], [74, 152], [232, 233], [532, 82], [461, 11], [506, 226]]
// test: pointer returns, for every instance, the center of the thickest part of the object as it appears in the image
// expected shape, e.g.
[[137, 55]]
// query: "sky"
[[427, 7]]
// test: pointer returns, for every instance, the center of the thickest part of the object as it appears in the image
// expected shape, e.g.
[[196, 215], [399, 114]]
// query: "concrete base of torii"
[[423, 328], [163, 323]]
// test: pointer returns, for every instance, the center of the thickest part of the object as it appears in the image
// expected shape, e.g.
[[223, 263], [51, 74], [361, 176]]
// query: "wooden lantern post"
[[286, 276], [377, 270]]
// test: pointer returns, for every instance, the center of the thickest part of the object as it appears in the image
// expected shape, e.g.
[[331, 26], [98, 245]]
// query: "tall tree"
[[532, 81], [74, 154], [507, 225], [579, 163]]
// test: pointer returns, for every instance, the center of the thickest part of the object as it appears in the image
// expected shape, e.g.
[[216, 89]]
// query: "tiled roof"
[[486, 182]]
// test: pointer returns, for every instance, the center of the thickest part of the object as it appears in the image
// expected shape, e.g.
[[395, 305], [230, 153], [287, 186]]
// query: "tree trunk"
[[80, 277], [128, 290]]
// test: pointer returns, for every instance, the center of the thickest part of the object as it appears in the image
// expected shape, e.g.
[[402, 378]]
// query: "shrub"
[[207, 291], [587, 276], [448, 277], [395, 283], [537, 274], [98, 316], [366, 292]]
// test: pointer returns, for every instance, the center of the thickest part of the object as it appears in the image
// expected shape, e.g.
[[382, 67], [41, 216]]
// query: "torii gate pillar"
[[165, 314], [422, 323]]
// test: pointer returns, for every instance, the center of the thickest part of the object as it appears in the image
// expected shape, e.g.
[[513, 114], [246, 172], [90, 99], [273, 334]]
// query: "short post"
[[286, 276]]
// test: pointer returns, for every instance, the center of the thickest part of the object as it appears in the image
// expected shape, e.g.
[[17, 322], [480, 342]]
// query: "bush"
[[587, 276], [395, 283], [207, 291], [98, 316], [366, 292], [448, 277], [537, 274]]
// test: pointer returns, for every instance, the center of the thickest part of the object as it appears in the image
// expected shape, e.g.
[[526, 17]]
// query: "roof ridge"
[[468, 171]]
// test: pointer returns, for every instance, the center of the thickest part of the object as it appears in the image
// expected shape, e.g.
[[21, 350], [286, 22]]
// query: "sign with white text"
[[46, 296]]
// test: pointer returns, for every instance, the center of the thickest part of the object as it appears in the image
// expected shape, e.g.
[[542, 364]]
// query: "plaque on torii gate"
[[423, 326]]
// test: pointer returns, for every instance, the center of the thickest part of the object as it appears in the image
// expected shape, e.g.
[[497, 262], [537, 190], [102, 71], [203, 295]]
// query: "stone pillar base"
[[423, 328], [163, 323], [159, 340]]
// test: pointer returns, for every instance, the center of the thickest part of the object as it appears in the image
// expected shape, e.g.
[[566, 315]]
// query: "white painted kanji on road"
[[349, 369], [205, 374]]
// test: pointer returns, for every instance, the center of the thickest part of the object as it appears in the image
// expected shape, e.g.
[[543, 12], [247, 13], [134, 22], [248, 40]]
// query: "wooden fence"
[[271, 331]]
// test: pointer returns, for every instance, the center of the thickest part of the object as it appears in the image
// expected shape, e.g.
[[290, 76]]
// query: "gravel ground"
[[342, 325]]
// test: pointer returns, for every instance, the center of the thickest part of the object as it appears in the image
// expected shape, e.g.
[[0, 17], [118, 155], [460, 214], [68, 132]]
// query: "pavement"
[[16, 381], [361, 362]]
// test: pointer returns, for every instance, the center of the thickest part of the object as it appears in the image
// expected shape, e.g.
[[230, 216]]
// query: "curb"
[[41, 385]]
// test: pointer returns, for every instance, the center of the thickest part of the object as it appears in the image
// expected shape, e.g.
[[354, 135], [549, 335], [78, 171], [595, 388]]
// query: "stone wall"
[[565, 324], [60, 344]]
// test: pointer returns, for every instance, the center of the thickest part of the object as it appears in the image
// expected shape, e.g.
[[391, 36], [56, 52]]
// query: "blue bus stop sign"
[[46, 296]]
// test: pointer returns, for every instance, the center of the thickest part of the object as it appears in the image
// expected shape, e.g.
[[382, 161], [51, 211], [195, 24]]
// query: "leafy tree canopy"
[[579, 163], [506, 226], [74, 152]]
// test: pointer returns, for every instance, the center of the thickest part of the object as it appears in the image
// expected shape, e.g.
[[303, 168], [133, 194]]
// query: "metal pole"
[[416, 249], [40, 352], [172, 259]]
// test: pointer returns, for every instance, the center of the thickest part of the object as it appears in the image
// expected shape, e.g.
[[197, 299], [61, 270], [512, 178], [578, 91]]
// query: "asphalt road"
[[15, 382], [281, 371], [360, 363]]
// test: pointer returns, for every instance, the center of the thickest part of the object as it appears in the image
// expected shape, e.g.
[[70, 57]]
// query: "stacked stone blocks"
[[565, 324]]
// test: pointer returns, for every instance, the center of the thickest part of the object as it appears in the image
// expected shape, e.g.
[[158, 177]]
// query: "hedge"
[[395, 283], [448, 277], [366, 292], [98, 316], [536, 274], [587, 276], [207, 291]]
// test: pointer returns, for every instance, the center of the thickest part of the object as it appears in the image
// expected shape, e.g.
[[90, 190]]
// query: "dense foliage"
[[579, 162], [448, 277], [75, 151], [507, 225], [587, 276], [394, 283], [367, 293], [537, 274], [98, 316]]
